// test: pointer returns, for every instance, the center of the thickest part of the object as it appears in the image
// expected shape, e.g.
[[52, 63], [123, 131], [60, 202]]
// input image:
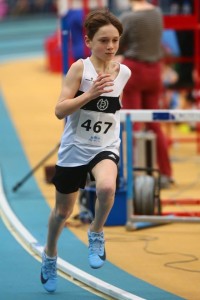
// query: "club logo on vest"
[[102, 104]]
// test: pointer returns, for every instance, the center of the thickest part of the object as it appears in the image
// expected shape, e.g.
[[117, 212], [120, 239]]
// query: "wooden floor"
[[165, 256]]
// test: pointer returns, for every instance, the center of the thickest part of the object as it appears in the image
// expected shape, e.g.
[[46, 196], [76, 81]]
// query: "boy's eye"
[[107, 41]]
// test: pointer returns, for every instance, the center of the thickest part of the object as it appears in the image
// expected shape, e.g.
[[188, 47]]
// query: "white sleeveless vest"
[[95, 127]]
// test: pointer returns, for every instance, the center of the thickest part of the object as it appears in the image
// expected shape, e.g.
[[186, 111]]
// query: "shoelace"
[[96, 244], [50, 268]]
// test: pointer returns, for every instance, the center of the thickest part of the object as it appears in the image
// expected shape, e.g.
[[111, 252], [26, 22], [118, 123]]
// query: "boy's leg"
[[105, 174], [62, 210]]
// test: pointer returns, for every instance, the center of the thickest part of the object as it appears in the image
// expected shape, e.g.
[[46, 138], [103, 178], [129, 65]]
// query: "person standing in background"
[[140, 49], [118, 6], [74, 12]]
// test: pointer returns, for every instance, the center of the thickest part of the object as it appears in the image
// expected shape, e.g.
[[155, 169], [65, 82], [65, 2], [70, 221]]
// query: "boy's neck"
[[101, 66]]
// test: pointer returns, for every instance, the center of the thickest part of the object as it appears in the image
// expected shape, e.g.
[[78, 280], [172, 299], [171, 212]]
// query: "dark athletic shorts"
[[69, 179]]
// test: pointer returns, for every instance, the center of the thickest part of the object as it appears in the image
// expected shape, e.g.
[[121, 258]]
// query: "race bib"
[[96, 128]]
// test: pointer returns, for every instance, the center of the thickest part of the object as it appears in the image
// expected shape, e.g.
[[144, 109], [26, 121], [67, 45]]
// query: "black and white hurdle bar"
[[128, 117]]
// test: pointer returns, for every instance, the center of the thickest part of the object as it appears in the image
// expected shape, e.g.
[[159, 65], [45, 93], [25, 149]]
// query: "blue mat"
[[24, 37]]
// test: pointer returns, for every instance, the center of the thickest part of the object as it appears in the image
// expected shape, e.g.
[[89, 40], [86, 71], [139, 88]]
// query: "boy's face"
[[105, 42]]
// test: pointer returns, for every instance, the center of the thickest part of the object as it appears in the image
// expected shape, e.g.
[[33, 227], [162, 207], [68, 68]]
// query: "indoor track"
[[156, 263]]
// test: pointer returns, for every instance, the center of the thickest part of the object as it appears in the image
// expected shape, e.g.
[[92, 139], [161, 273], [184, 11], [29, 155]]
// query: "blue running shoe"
[[49, 273], [97, 254]]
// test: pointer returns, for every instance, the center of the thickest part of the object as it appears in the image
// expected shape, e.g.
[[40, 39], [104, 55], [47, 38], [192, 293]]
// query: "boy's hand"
[[103, 84]]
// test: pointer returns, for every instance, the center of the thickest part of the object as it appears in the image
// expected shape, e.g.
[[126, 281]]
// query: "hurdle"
[[128, 117]]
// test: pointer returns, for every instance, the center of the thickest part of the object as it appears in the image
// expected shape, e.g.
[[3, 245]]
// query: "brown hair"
[[98, 18]]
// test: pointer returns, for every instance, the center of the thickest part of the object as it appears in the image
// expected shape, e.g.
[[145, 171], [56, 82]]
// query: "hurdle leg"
[[129, 172]]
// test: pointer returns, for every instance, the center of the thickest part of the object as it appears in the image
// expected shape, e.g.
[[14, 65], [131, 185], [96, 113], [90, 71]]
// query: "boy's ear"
[[87, 41]]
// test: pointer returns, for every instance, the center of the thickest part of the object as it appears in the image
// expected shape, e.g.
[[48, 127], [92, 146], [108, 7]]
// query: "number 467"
[[97, 127]]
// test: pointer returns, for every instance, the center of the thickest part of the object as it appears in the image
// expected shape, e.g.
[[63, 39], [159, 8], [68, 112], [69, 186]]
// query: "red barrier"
[[183, 214], [180, 202], [53, 53]]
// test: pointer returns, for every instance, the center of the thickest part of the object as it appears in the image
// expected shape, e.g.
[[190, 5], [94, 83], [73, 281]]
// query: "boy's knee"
[[106, 191], [62, 216]]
